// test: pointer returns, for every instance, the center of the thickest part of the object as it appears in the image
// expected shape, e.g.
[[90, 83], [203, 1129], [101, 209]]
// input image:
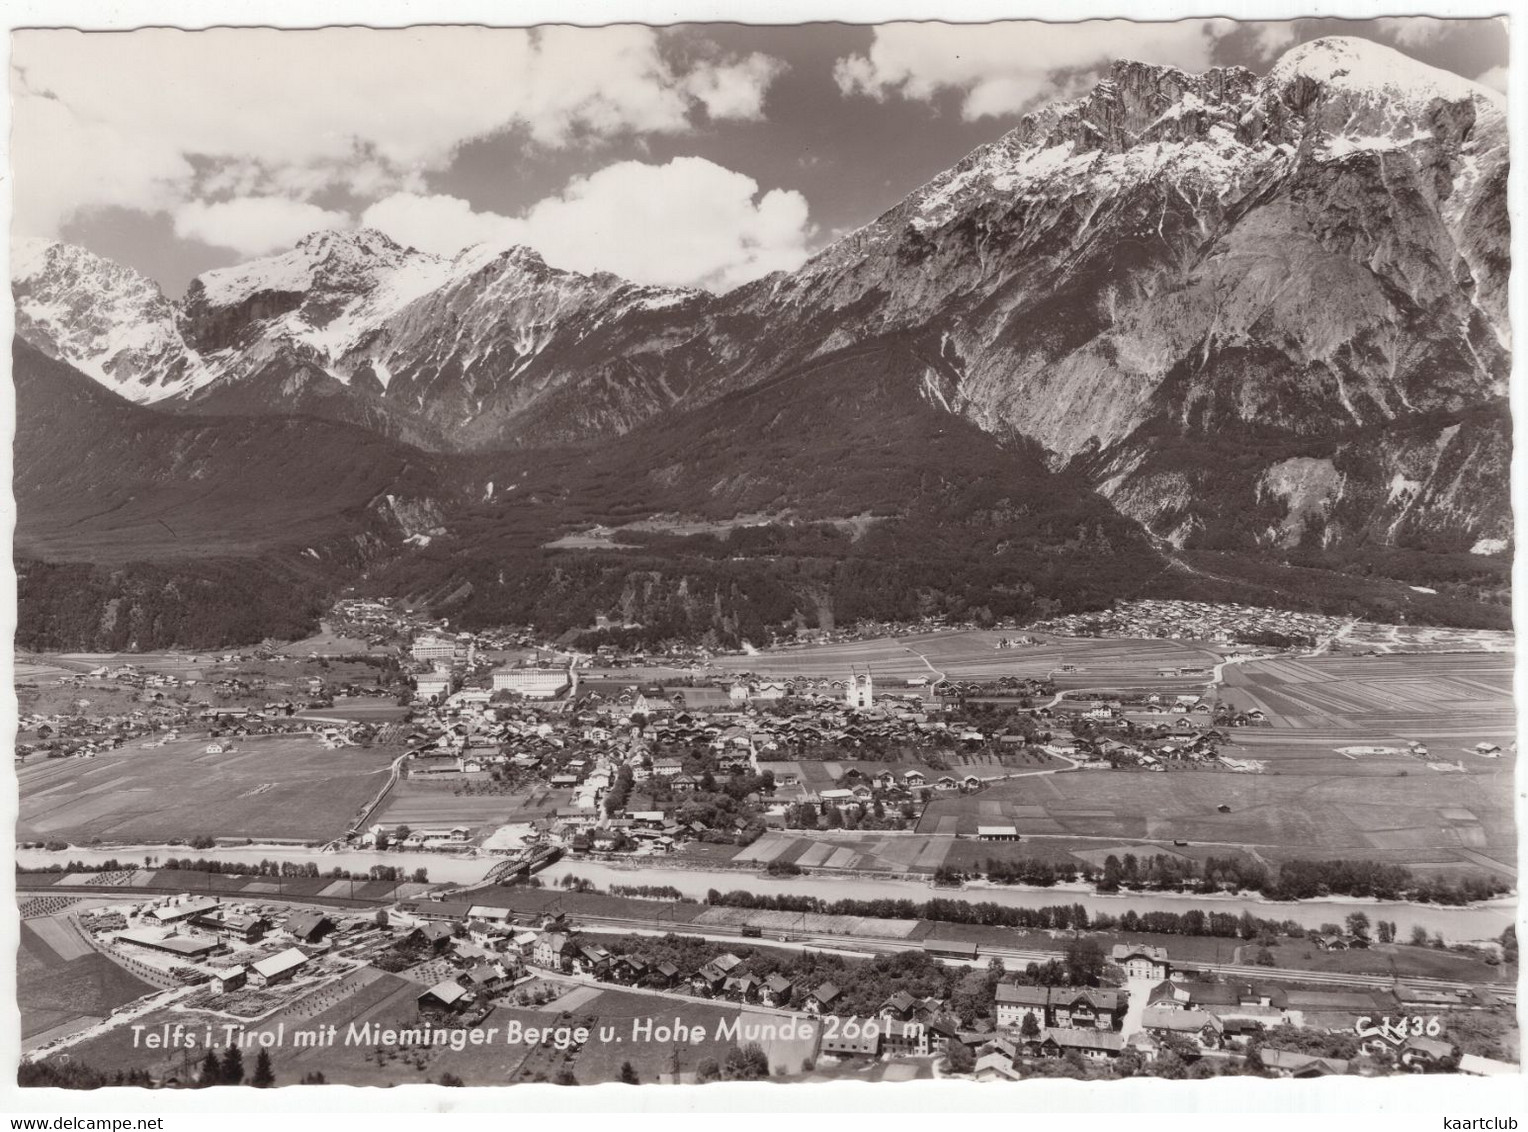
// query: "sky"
[[702, 155]]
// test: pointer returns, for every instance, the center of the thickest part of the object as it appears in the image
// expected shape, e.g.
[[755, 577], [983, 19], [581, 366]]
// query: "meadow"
[[67, 984], [974, 653], [1358, 812], [416, 803], [277, 787]]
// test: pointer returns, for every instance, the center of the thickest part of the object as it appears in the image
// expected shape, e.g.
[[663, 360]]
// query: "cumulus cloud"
[[1003, 68], [254, 225], [1413, 31], [437, 223], [152, 118], [1494, 77], [734, 90], [1271, 38], [689, 222]]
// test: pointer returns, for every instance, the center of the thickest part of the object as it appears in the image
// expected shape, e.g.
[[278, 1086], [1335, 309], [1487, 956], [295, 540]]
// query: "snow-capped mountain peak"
[[1361, 66], [107, 320]]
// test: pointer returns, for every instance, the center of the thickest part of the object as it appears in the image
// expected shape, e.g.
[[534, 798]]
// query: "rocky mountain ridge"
[[1306, 270]]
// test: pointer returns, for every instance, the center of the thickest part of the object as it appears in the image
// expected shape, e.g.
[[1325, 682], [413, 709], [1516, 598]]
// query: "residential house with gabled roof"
[[777, 991], [308, 926], [1203, 1028], [591, 960], [444, 996], [1095, 1045], [901, 1007], [554, 951], [1289, 1063], [1015, 1001], [1088, 1008], [744, 988], [822, 998]]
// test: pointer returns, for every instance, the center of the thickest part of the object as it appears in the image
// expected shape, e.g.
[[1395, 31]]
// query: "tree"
[[1418, 936], [1358, 924], [748, 1063], [380, 919], [452, 1081], [1030, 1027], [313, 1078], [1084, 961], [1264, 958], [959, 1058], [232, 1072], [421, 876], [708, 1070], [264, 1076], [212, 1072], [628, 1074]]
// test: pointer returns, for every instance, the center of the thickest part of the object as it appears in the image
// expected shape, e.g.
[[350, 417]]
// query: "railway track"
[[867, 945]]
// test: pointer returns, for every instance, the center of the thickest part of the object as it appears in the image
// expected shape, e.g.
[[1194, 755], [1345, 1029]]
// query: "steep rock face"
[[1172, 267], [106, 320], [508, 350]]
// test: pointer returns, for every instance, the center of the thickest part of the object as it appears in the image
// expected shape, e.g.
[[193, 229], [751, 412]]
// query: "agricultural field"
[[864, 852], [599, 1062], [361, 709], [974, 653], [268, 787], [326, 642], [68, 985], [1438, 700], [1352, 809], [427, 804]]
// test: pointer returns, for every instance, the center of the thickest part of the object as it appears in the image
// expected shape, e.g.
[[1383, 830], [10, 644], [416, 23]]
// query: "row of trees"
[[1294, 880]]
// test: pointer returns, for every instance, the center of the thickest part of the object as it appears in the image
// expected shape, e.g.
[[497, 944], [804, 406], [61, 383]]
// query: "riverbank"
[[1456, 924]]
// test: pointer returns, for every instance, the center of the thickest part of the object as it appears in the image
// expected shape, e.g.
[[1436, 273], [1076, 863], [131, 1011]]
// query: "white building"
[[532, 683], [433, 648], [427, 686], [1141, 962]]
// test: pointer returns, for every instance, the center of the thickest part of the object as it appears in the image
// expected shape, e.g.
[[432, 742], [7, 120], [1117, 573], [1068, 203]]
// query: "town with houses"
[[527, 762]]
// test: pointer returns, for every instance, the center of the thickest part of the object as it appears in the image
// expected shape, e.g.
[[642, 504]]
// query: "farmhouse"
[[307, 927], [1095, 1045], [444, 996]]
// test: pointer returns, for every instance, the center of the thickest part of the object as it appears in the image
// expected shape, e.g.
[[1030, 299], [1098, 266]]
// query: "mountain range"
[[1180, 332]]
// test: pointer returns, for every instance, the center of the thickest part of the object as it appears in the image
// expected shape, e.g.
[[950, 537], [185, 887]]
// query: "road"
[[938, 675], [392, 780]]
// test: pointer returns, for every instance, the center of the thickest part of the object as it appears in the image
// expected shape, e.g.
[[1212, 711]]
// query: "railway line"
[[866, 945]]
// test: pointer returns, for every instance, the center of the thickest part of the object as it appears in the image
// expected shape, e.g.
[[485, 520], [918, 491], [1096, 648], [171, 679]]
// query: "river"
[[1480, 921], [1476, 922]]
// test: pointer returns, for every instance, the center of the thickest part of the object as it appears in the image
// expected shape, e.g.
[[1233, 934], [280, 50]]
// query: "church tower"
[[861, 692]]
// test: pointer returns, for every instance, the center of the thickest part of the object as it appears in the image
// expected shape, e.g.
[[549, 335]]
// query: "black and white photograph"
[[686, 554]]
